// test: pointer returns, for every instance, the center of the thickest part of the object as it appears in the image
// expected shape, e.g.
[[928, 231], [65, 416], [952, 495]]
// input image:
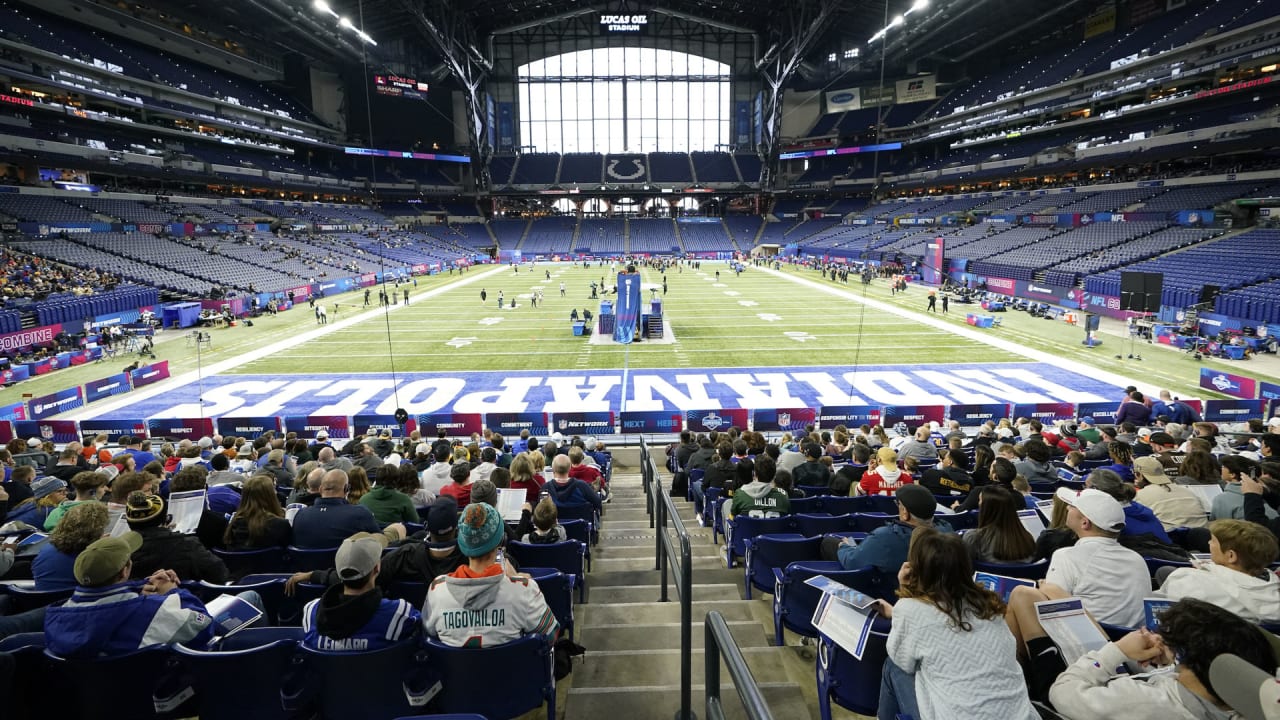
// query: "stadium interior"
[[169, 171]]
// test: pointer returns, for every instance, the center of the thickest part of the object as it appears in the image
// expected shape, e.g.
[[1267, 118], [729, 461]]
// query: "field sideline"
[[758, 319]]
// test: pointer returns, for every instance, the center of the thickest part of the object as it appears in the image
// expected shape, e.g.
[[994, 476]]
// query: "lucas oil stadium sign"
[[624, 23], [668, 392]]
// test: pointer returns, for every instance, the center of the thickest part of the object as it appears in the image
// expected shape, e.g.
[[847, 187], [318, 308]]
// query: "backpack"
[[680, 484]]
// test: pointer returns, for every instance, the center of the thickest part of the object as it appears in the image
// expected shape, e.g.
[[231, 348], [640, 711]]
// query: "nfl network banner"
[[61, 401], [510, 424], [150, 373], [375, 424], [969, 415], [179, 428], [59, 431], [6, 431], [784, 419], [247, 426], [1228, 383], [114, 429], [830, 416], [95, 390], [651, 421], [585, 423], [1103, 413], [722, 419], [913, 415], [16, 411], [1231, 410], [1046, 413], [453, 424], [844, 100], [308, 425]]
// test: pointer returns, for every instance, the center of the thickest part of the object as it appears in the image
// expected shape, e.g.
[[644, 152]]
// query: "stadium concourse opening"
[[902, 337]]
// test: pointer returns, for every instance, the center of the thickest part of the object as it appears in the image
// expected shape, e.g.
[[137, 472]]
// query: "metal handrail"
[[666, 511], [720, 642], [648, 478]]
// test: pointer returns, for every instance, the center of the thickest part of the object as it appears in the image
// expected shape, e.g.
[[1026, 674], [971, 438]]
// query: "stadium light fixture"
[[918, 6], [897, 21], [323, 7], [345, 22]]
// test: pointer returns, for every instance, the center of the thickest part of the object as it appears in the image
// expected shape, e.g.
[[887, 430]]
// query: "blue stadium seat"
[[301, 559], [393, 681], [524, 666], [1026, 571], [741, 529], [557, 588], [243, 683], [794, 601], [568, 557], [823, 524], [23, 599], [767, 552], [848, 682], [98, 678]]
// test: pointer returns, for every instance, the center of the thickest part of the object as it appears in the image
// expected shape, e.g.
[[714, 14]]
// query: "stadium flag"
[[59, 431], [627, 308], [935, 269]]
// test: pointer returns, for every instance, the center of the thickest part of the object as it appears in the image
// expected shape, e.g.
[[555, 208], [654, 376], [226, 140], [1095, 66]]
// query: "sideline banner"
[[723, 419], [180, 428], [453, 424], [16, 411], [978, 414], [784, 419], [148, 374], [1046, 413], [308, 425], [913, 415], [1231, 410], [250, 427], [509, 425], [95, 390], [652, 421], [830, 416], [113, 429], [1228, 383], [52, 404], [59, 431], [584, 423]]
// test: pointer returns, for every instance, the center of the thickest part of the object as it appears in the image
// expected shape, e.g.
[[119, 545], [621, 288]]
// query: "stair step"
[[640, 668], [700, 562], [650, 593], [785, 701], [593, 614], [748, 633]]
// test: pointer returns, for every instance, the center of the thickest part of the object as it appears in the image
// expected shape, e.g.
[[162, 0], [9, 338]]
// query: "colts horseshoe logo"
[[612, 171]]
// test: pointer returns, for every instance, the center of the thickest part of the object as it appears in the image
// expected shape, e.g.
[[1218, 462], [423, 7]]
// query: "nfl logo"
[[564, 424], [712, 421], [46, 432], [784, 419]]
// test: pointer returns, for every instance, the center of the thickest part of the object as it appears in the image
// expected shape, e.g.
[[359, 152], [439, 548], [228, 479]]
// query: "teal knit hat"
[[480, 529]]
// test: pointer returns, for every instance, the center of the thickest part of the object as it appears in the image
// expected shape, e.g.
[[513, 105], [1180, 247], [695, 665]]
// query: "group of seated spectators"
[[1116, 498], [410, 511], [27, 276]]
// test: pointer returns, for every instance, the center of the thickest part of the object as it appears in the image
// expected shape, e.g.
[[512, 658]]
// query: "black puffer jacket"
[[164, 549]]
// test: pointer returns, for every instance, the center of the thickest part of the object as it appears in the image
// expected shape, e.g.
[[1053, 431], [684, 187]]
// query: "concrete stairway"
[[631, 670]]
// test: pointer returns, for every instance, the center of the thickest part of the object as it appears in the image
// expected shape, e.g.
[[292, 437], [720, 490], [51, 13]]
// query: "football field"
[[762, 339]]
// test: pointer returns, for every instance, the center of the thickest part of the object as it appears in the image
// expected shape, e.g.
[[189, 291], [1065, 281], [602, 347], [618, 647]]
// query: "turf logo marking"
[[800, 337], [460, 342]]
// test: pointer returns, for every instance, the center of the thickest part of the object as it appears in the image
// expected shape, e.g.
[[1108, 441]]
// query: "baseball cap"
[[357, 557], [422, 449], [105, 558], [901, 429], [590, 443], [813, 450], [557, 437], [1274, 422], [206, 442], [34, 442], [917, 500], [1087, 420], [386, 433], [1101, 509], [480, 529], [322, 434], [1151, 469], [1162, 438], [1245, 687], [1144, 432], [47, 486], [442, 516]]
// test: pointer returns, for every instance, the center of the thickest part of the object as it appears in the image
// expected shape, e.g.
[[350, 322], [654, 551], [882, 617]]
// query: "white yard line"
[[275, 348], [988, 337]]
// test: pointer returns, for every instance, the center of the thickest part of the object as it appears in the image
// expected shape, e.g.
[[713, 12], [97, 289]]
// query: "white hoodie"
[[1252, 598]]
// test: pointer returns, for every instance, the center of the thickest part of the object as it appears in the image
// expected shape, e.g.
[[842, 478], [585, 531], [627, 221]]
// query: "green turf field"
[[756, 319]]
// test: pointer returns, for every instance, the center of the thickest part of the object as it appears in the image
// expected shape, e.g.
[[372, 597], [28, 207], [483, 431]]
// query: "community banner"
[[95, 390], [454, 424]]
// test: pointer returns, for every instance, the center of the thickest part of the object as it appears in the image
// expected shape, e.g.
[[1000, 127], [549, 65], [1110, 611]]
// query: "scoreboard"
[[400, 86]]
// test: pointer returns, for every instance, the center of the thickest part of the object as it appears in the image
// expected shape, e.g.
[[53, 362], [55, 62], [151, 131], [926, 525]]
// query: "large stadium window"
[[620, 100]]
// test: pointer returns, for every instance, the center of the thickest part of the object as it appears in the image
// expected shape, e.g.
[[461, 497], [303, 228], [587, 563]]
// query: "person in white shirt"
[[1110, 580], [949, 653], [1238, 579], [1191, 635], [435, 477], [1174, 505]]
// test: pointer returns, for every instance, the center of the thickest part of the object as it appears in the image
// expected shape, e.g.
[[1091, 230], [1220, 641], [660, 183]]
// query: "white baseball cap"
[[1274, 422], [1102, 510]]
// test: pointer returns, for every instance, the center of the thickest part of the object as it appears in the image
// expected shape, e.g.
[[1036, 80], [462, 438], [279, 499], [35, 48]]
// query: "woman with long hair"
[[1198, 468], [358, 481], [259, 522], [1000, 536], [983, 456], [525, 475], [1121, 454], [47, 494], [951, 654], [53, 568], [879, 438]]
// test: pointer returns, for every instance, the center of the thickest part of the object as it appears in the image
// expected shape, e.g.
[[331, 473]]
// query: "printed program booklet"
[[843, 614], [1070, 628], [1001, 585]]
